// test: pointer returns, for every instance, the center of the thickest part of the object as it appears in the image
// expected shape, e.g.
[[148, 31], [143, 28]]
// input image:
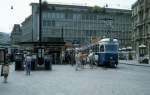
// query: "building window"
[[89, 17], [48, 23], [53, 23], [68, 16], [53, 8], [88, 33]]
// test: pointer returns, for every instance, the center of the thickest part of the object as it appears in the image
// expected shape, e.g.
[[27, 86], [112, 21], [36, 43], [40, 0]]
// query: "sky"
[[22, 9]]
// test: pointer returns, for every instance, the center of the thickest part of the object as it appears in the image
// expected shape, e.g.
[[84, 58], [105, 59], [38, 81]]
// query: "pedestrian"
[[82, 59], [28, 60], [91, 59], [77, 59], [72, 58], [96, 59], [5, 71], [47, 62]]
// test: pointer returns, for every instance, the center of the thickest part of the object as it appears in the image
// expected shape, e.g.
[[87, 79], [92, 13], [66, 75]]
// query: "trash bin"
[[19, 62], [48, 65], [47, 62]]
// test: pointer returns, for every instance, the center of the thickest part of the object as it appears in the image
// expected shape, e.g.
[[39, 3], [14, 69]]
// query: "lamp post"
[[40, 21], [62, 33], [40, 57]]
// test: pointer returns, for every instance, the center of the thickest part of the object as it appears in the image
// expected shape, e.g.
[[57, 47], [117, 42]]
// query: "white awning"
[[123, 48], [142, 46], [129, 47]]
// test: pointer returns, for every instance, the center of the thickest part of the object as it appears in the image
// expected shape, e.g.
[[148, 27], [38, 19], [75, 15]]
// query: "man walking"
[[28, 60]]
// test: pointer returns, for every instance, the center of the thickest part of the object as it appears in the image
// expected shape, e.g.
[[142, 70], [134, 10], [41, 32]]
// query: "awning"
[[142, 46], [129, 47]]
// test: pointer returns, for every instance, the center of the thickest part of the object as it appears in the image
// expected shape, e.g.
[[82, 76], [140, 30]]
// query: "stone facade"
[[141, 27]]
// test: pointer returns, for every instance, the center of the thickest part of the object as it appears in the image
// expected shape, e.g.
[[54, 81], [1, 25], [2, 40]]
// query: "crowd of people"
[[83, 59], [78, 58], [26, 63]]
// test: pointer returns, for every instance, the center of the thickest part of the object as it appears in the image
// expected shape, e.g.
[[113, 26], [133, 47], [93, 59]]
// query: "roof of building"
[[86, 7], [16, 26], [135, 4]]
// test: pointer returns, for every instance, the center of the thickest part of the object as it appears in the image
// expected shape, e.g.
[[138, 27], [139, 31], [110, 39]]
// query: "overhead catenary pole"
[[40, 61], [40, 21], [62, 33], [110, 25]]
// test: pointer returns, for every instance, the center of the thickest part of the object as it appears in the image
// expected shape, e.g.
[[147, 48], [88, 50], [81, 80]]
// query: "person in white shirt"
[[91, 59], [77, 59]]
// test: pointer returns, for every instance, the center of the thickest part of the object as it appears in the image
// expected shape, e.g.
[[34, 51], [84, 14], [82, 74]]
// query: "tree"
[[44, 6], [97, 9]]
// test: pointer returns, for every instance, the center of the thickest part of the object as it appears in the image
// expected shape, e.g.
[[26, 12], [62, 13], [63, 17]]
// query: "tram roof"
[[108, 40]]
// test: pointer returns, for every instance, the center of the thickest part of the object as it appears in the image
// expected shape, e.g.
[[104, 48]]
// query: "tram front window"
[[111, 48]]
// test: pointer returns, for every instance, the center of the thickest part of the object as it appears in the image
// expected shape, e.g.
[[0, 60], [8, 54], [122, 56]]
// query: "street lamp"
[[40, 21], [40, 51], [62, 33]]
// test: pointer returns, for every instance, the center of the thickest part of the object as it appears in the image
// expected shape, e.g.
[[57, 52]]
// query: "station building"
[[75, 24]]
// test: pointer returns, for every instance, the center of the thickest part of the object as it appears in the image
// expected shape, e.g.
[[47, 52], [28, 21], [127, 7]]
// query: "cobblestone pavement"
[[64, 80]]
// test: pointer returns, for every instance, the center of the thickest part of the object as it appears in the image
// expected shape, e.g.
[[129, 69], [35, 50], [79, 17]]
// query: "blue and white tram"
[[107, 51]]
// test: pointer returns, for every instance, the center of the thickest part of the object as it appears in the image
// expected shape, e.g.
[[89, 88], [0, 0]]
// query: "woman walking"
[[5, 71]]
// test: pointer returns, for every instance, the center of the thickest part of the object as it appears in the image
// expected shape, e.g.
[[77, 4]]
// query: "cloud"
[[22, 9]]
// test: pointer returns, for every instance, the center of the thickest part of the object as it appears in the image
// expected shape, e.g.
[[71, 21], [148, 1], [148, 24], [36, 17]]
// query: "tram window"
[[111, 48], [102, 48]]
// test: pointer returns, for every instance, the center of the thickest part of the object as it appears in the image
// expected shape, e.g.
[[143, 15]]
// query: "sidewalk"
[[133, 62]]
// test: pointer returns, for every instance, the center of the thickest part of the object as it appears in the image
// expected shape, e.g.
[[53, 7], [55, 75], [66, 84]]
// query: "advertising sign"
[[2, 56]]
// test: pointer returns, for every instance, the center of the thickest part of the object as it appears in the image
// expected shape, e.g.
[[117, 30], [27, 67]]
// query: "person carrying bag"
[[5, 71]]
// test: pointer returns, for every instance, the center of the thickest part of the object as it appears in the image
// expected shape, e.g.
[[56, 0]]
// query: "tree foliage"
[[44, 6], [97, 9]]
